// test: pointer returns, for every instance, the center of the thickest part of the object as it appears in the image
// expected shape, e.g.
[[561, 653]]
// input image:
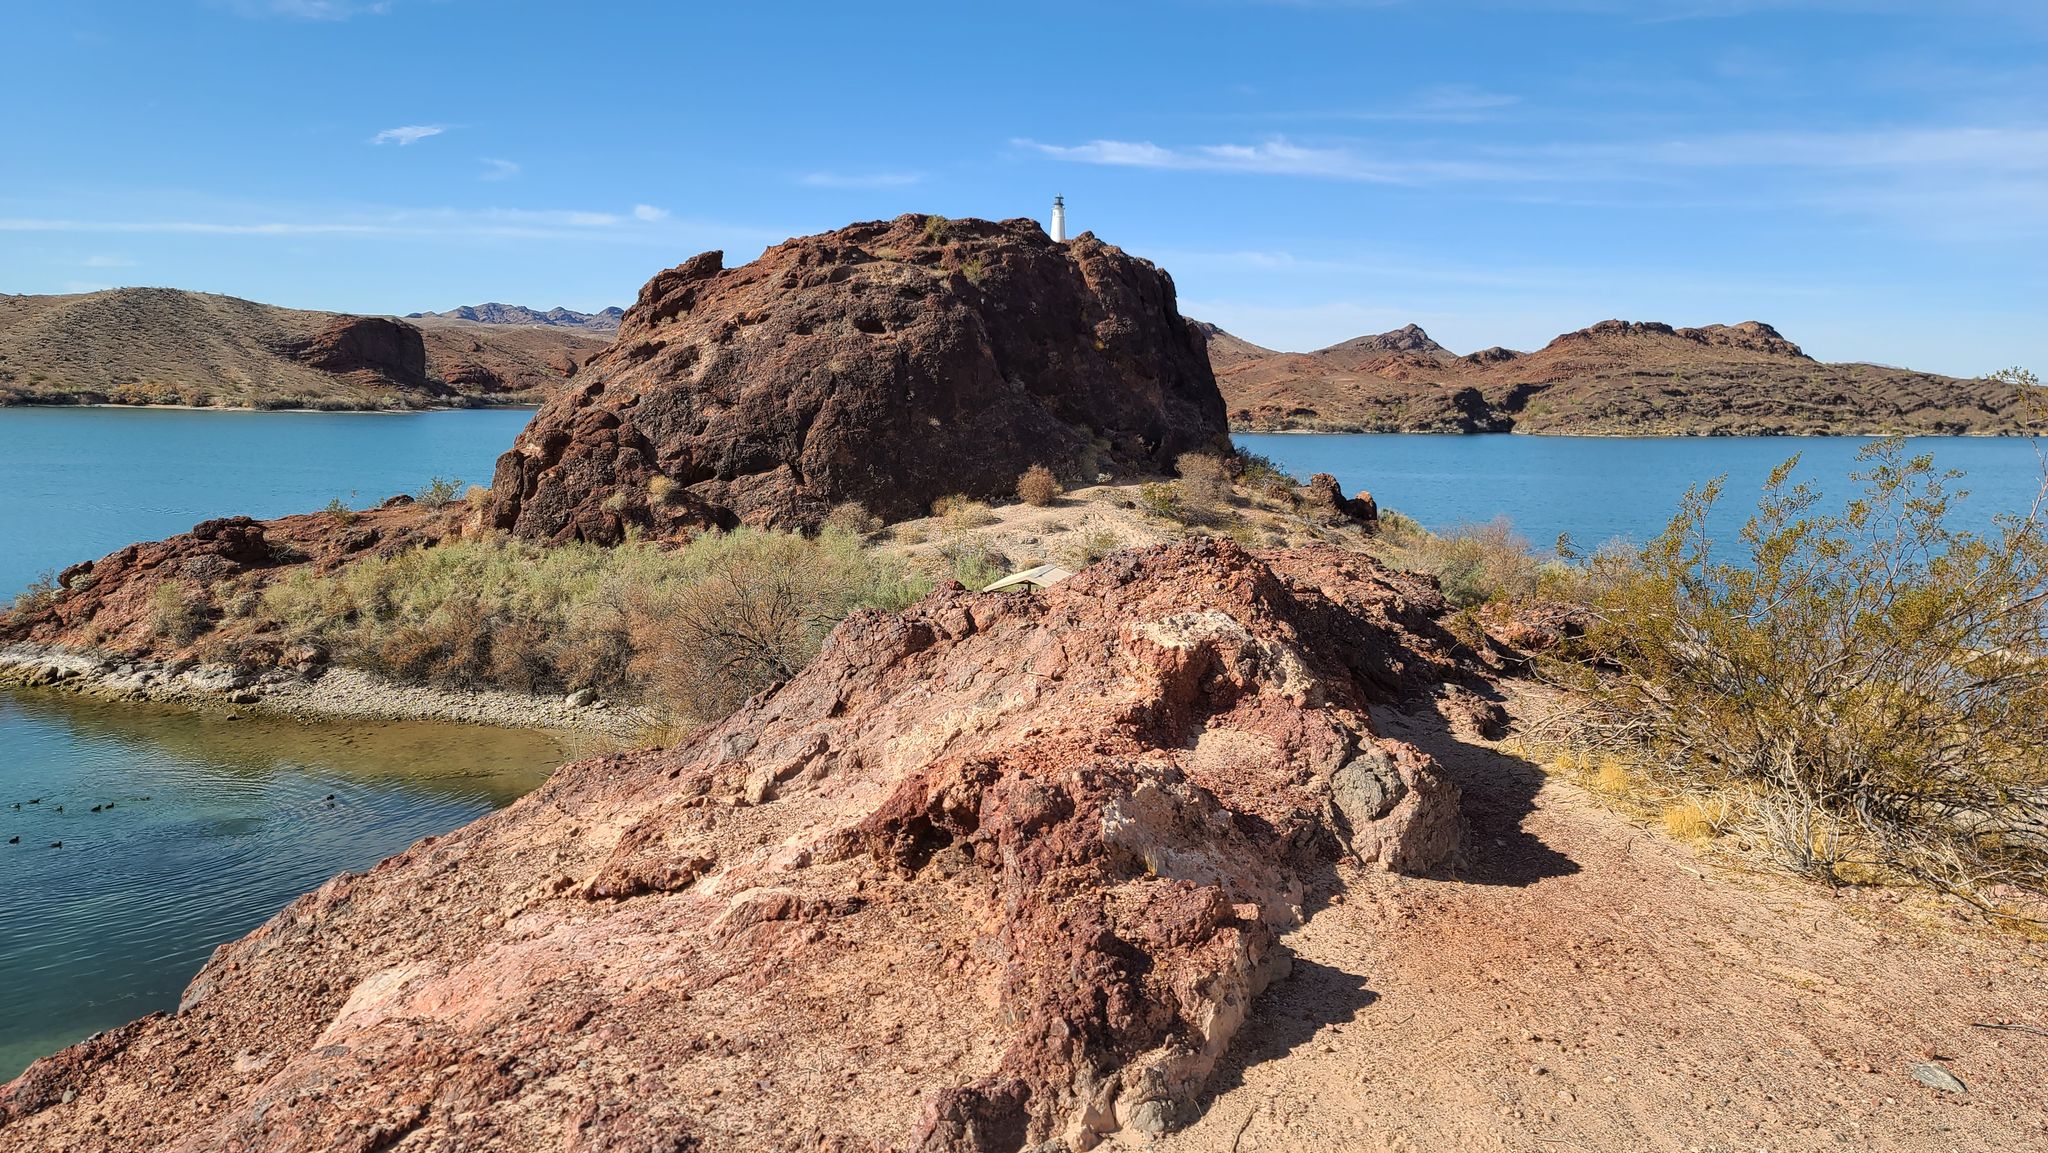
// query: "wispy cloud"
[[861, 179], [1439, 104], [1957, 180], [443, 222], [312, 9], [499, 169], [1279, 156], [407, 134]]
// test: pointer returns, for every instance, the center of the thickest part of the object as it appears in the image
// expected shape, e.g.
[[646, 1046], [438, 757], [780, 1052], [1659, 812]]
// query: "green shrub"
[[1476, 564], [1261, 475], [439, 492], [935, 229], [340, 512], [1161, 500], [1869, 687], [1093, 542]]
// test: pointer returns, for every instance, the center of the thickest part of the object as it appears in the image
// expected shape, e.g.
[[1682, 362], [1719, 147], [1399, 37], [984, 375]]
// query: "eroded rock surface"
[[891, 363], [999, 872]]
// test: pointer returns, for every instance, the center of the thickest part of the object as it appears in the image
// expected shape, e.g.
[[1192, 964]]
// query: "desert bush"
[[1473, 564], [1161, 500], [974, 269], [340, 512], [1261, 475], [962, 512], [178, 613], [439, 492], [40, 594], [755, 610], [973, 564], [851, 516], [661, 489], [1204, 479], [1871, 684], [1093, 541], [935, 229], [636, 621], [1038, 486], [477, 497]]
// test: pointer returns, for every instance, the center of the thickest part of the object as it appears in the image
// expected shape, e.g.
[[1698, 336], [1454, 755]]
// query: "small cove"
[[214, 823]]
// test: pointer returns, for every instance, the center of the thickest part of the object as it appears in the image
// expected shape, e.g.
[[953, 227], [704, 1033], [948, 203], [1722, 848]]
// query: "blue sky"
[[1870, 176]]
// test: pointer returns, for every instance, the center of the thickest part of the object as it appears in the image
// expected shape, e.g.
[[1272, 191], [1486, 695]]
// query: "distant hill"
[[524, 317], [169, 346], [1615, 378]]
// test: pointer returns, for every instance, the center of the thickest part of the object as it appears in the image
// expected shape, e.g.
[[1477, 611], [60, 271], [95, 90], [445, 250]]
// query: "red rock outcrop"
[[372, 348], [891, 363], [999, 872], [115, 605]]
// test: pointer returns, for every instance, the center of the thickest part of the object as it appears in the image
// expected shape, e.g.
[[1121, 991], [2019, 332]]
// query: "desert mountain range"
[[170, 346], [1614, 378], [167, 346], [605, 321]]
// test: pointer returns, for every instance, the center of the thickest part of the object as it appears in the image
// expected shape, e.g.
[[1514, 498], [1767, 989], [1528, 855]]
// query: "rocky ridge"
[[890, 363], [1075, 823], [168, 346], [1613, 378]]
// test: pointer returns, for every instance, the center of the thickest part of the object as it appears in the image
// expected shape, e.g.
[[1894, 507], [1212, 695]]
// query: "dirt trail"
[[1588, 984]]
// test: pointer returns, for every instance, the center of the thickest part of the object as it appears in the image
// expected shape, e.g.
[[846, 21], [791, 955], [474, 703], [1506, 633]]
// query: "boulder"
[[889, 363], [1323, 497]]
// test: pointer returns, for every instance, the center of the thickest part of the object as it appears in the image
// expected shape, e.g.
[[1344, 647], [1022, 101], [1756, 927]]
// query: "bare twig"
[[2034, 1029]]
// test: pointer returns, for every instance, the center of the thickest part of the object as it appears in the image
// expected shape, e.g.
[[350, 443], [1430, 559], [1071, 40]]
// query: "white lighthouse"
[[1059, 219]]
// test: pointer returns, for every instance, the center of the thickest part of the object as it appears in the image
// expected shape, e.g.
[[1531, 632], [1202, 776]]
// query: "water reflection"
[[150, 834]]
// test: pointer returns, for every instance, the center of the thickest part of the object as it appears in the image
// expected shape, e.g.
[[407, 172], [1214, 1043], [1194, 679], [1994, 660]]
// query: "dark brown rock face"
[[373, 346], [995, 873], [891, 363]]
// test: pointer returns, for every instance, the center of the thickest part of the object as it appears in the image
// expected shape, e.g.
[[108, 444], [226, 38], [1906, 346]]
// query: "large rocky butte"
[[1615, 378], [999, 872], [890, 363]]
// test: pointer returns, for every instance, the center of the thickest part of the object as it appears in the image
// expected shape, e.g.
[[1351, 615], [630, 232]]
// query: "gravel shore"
[[326, 693]]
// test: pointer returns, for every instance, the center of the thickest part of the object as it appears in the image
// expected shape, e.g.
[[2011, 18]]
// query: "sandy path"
[[1588, 984]]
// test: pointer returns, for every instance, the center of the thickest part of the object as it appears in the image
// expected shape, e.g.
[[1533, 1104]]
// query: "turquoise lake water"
[[216, 823], [1601, 488], [76, 484]]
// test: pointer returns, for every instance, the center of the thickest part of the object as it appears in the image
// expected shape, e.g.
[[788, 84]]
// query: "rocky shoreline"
[[318, 693]]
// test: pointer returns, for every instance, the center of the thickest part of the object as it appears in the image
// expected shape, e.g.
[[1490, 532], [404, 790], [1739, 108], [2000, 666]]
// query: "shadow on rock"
[[1499, 794], [1289, 1014]]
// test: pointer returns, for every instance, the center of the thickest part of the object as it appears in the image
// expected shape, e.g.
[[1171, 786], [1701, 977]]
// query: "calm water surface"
[[76, 484], [215, 824], [1601, 488]]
